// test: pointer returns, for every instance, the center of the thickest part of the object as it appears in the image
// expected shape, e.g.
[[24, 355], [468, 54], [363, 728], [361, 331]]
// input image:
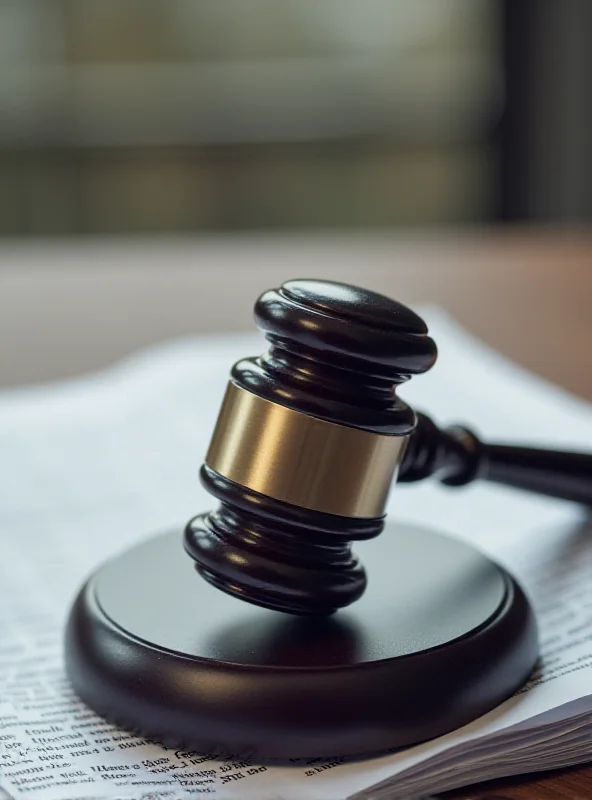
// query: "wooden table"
[[68, 307], [72, 306]]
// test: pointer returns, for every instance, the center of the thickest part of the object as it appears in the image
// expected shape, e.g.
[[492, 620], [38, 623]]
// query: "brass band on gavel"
[[303, 460]]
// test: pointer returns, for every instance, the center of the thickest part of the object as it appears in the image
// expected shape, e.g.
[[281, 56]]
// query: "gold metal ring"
[[302, 460]]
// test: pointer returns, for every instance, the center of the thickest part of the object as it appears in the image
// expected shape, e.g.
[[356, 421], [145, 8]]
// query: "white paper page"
[[89, 467]]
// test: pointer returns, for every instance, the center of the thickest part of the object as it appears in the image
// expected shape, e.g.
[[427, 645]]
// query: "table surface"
[[68, 307], [71, 306]]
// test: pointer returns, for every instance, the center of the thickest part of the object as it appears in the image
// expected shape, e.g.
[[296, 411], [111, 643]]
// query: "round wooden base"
[[441, 636]]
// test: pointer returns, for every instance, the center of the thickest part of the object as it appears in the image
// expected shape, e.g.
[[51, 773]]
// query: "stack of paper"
[[91, 466]]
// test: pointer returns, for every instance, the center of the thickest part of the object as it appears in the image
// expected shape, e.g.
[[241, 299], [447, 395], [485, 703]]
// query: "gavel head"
[[308, 440]]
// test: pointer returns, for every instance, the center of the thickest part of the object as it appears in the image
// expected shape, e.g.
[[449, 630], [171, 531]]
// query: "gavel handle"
[[456, 457]]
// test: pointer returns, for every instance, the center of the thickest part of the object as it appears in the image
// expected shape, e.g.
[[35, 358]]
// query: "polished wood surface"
[[69, 307]]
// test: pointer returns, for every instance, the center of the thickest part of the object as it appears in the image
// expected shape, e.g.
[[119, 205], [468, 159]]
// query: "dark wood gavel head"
[[308, 441]]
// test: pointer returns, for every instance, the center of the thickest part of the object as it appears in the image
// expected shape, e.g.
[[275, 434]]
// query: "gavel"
[[308, 442], [311, 436]]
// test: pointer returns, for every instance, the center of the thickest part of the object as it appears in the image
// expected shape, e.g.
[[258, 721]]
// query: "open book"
[[90, 466]]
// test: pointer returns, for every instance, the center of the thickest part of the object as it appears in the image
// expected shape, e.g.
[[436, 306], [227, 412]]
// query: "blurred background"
[[150, 116], [164, 161]]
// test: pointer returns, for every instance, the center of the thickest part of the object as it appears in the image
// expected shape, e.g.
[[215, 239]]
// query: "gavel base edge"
[[441, 636]]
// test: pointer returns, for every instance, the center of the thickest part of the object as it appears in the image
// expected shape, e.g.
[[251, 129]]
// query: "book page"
[[92, 466]]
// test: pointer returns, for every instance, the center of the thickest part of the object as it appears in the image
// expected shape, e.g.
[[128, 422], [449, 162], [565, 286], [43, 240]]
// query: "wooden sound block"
[[441, 636]]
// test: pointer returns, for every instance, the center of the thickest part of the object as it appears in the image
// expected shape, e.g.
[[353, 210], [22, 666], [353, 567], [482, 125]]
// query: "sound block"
[[441, 636]]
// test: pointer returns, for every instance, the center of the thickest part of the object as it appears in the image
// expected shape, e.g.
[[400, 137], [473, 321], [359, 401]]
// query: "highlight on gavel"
[[311, 436]]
